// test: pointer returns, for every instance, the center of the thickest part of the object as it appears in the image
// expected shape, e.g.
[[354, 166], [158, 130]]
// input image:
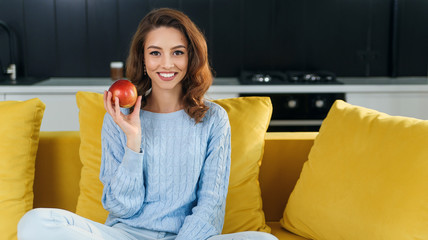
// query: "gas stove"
[[287, 77], [295, 111]]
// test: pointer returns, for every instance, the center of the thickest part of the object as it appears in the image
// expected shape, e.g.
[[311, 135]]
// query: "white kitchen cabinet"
[[213, 96], [390, 95], [61, 112], [399, 104]]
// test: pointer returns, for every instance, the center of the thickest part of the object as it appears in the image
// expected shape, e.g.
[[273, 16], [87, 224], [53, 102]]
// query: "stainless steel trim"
[[298, 122]]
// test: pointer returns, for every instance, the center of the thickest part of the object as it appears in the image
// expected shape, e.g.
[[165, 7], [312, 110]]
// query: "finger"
[[105, 100], [137, 106], [117, 107], [110, 109]]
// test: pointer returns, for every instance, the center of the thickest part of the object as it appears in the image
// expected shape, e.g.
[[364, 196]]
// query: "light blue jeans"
[[54, 224]]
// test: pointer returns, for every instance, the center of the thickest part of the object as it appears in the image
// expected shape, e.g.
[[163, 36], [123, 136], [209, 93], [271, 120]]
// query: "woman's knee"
[[254, 235], [248, 235], [30, 222], [266, 236], [35, 223]]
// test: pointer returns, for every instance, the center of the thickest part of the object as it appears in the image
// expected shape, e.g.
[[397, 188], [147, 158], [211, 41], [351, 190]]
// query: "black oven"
[[295, 111], [299, 112]]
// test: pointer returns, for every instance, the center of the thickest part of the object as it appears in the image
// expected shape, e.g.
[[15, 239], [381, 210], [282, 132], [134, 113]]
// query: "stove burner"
[[313, 77], [266, 77], [261, 78], [287, 77]]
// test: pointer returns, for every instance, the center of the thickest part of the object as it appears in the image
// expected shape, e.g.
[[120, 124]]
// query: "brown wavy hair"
[[199, 74]]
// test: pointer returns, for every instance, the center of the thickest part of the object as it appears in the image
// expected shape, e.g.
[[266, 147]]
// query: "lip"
[[167, 78]]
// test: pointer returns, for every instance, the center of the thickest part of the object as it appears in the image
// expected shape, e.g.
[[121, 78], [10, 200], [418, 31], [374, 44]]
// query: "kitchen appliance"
[[287, 77], [295, 111]]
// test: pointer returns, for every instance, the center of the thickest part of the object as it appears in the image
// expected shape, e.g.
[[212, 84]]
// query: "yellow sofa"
[[362, 176], [58, 169]]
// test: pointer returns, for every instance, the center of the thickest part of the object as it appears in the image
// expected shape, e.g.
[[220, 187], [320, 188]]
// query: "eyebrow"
[[156, 47]]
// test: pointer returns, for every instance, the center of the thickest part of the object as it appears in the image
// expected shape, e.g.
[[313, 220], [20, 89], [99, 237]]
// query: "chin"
[[168, 86]]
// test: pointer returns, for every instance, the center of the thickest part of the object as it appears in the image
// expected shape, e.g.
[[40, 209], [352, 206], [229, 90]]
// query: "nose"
[[167, 62]]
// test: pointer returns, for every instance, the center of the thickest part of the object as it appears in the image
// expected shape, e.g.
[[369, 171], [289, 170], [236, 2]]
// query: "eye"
[[178, 52], [155, 53]]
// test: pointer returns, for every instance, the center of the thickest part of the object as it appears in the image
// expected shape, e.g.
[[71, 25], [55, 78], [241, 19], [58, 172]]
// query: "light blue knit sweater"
[[179, 182]]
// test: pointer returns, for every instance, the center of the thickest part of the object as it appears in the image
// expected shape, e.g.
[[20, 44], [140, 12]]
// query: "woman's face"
[[166, 58]]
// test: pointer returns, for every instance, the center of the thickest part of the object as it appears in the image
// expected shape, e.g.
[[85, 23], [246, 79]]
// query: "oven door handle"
[[298, 122]]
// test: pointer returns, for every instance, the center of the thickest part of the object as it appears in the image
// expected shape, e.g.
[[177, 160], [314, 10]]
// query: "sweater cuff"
[[132, 161]]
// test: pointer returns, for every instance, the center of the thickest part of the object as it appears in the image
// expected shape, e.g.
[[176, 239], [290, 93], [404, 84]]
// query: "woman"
[[166, 162]]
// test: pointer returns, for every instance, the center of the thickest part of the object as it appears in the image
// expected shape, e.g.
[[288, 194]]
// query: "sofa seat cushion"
[[366, 178], [19, 130], [282, 234], [249, 118]]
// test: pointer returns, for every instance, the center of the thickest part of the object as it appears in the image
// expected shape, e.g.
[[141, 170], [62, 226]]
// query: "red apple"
[[125, 91]]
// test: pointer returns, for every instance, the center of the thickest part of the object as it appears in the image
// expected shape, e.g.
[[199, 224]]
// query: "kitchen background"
[[303, 54], [79, 38]]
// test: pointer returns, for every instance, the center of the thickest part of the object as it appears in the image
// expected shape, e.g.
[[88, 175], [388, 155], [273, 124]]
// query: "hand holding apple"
[[130, 124], [125, 91]]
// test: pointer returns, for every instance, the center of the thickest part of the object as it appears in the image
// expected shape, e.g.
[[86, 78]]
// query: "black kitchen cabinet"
[[350, 38], [412, 42]]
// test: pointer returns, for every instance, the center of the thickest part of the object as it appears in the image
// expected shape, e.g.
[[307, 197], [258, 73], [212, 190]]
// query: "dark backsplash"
[[79, 38]]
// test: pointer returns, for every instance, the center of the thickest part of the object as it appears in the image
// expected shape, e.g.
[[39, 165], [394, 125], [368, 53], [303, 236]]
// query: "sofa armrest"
[[57, 175], [284, 155]]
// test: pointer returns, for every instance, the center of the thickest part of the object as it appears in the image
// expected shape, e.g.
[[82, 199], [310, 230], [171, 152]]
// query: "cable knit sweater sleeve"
[[207, 216], [121, 172]]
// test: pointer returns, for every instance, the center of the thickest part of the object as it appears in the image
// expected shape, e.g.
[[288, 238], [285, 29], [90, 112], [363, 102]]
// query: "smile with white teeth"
[[166, 75]]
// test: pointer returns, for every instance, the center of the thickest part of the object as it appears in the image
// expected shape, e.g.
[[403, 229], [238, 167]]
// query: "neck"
[[164, 102]]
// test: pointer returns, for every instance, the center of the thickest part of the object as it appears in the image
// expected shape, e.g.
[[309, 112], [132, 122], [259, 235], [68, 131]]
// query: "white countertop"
[[231, 85]]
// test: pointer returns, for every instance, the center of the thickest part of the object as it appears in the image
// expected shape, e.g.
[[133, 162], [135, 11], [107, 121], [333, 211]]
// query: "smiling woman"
[[165, 164], [166, 65], [184, 42]]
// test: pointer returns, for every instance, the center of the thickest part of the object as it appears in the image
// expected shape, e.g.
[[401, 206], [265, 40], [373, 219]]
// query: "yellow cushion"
[[19, 130], [249, 119], [91, 115], [366, 178]]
